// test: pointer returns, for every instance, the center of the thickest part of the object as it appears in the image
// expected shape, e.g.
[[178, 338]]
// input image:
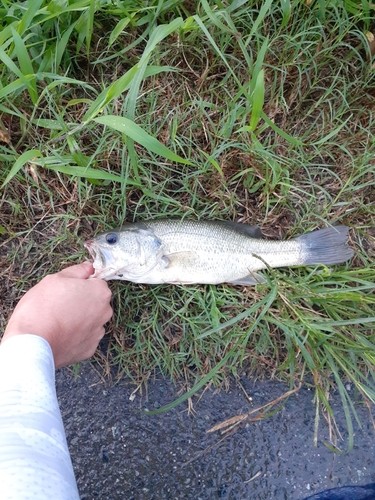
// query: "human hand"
[[68, 310]]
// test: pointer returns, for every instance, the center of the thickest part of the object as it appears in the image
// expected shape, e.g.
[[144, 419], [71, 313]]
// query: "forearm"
[[34, 457]]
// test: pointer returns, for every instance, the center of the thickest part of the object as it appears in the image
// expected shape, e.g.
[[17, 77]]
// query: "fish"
[[189, 252]]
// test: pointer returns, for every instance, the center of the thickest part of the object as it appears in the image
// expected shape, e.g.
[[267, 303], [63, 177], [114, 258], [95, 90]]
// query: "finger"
[[108, 314], [97, 334], [105, 291], [101, 288], [81, 271]]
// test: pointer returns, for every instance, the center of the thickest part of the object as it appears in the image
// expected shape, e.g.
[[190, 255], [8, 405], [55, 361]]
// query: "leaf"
[[61, 46], [89, 173], [123, 83], [221, 55], [157, 35], [4, 137], [22, 54], [262, 14], [258, 65], [213, 162], [327, 325], [136, 133], [258, 101], [47, 123], [13, 87], [287, 10], [333, 132], [20, 162], [11, 65], [90, 25], [120, 26], [6, 32], [244, 314], [25, 74], [31, 9], [278, 130], [213, 16], [110, 93]]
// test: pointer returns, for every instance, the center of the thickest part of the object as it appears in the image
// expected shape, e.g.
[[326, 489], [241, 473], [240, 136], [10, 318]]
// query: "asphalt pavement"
[[121, 453]]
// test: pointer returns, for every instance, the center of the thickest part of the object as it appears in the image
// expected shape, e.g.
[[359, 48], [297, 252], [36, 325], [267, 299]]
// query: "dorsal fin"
[[245, 229]]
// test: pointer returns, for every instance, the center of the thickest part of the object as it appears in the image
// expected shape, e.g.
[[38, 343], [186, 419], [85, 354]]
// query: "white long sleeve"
[[34, 458]]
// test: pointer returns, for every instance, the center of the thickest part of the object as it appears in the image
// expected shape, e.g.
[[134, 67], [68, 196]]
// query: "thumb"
[[80, 271]]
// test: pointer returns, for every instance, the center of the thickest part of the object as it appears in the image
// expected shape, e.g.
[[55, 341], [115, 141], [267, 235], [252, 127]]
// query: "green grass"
[[254, 111]]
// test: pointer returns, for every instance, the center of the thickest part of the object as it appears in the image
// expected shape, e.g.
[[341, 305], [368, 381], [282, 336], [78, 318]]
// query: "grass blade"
[[121, 25], [214, 17], [236, 319], [292, 140], [32, 8], [110, 93], [261, 16], [90, 25], [16, 86], [61, 46], [194, 389], [137, 134], [20, 162], [89, 173], [258, 101], [25, 65], [287, 11], [157, 35], [258, 65]]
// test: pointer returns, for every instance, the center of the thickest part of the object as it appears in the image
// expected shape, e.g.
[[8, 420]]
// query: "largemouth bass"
[[187, 252]]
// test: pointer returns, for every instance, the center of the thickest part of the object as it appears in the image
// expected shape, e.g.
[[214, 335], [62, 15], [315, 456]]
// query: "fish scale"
[[222, 257]]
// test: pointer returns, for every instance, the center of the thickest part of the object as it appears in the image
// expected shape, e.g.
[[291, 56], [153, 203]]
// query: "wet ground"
[[120, 453]]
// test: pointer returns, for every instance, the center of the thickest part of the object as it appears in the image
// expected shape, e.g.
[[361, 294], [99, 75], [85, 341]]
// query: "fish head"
[[125, 254]]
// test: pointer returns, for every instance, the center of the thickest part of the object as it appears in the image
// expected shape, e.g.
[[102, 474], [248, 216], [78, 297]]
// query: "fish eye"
[[111, 238]]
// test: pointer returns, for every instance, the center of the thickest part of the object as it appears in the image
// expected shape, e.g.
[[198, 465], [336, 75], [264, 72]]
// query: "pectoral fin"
[[179, 259], [250, 279]]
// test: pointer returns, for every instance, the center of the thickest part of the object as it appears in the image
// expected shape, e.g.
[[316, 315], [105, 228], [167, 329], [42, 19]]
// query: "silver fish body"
[[213, 252]]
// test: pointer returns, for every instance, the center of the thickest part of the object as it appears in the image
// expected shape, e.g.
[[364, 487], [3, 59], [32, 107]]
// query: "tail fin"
[[326, 246]]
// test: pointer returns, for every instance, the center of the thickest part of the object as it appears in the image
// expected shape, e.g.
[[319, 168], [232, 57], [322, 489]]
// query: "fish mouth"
[[99, 263]]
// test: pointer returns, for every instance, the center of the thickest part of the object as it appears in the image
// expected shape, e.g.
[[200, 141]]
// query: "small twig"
[[233, 423], [254, 477], [250, 399], [203, 452], [244, 416]]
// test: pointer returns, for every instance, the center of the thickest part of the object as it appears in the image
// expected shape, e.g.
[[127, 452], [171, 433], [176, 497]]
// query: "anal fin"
[[249, 280]]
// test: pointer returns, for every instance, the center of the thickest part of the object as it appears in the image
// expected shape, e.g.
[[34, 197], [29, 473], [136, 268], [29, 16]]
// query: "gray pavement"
[[120, 453]]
